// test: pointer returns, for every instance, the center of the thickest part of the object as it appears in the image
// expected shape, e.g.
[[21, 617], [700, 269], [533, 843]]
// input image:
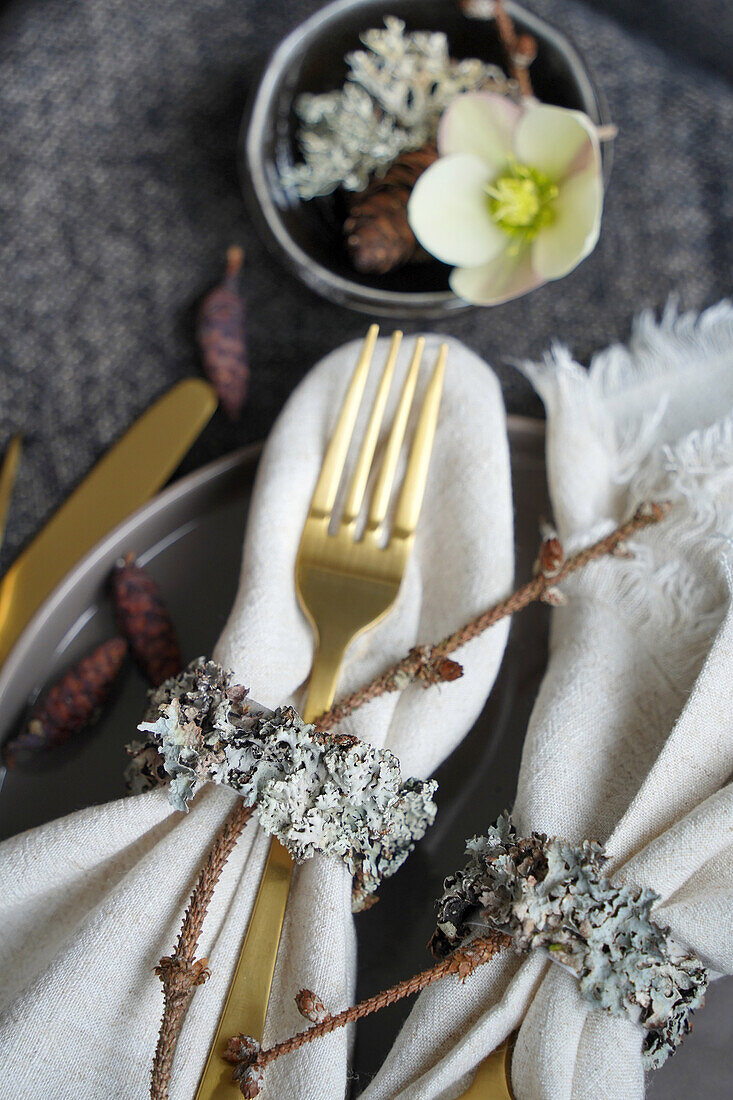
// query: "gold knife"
[[8, 471], [131, 471]]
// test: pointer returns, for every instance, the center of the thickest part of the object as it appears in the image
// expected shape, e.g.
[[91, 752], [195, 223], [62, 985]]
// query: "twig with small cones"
[[543, 586], [424, 664], [249, 1060], [181, 972], [520, 49]]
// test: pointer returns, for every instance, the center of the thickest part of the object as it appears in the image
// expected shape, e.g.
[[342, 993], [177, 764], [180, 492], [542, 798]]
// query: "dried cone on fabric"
[[377, 233], [71, 705], [144, 620], [221, 336], [310, 1005]]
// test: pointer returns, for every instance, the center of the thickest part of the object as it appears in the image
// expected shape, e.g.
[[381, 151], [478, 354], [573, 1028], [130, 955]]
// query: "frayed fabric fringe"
[[654, 410]]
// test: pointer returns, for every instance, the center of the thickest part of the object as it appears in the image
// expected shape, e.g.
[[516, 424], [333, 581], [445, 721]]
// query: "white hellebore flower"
[[514, 199]]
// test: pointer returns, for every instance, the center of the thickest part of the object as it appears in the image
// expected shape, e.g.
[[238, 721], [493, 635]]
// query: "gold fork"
[[345, 585]]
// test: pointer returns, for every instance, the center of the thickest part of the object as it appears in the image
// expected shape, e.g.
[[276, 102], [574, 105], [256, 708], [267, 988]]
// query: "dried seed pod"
[[525, 50], [241, 1052], [71, 704], [439, 670], [551, 554], [310, 1005], [180, 975], [377, 233], [621, 550], [221, 335], [554, 597], [144, 620]]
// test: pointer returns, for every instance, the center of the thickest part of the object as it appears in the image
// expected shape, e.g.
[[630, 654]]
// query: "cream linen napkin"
[[631, 738], [90, 902]]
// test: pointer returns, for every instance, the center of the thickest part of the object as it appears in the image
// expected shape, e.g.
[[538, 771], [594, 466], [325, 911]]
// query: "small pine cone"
[[440, 670], [249, 1079], [221, 335], [144, 620], [621, 550], [554, 597], [72, 704], [180, 976], [377, 233], [310, 1005], [653, 509], [525, 50], [551, 554], [242, 1051]]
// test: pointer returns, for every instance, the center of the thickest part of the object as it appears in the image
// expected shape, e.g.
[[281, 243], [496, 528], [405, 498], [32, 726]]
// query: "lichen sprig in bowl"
[[344, 123]]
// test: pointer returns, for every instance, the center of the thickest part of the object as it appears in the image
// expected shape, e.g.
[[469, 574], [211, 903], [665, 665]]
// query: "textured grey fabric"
[[119, 194]]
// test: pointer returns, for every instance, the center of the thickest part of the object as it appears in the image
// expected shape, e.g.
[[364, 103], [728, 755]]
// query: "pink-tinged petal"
[[556, 141], [561, 246], [480, 123], [448, 212], [505, 277]]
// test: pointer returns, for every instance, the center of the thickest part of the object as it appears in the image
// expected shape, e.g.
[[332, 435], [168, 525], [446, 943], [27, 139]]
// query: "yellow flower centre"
[[520, 201]]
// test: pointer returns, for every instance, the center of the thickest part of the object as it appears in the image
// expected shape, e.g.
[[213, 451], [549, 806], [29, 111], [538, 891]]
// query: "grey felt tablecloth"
[[119, 194]]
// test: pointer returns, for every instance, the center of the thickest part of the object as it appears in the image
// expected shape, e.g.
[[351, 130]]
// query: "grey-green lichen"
[[549, 894], [394, 95], [315, 792]]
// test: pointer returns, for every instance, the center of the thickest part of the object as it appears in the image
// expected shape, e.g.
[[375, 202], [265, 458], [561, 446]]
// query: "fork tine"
[[366, 455], [327, 485], [413, 487], [385, 479]]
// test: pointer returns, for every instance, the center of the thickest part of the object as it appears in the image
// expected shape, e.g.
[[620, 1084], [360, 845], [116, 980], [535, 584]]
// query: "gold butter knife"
[[8, 472], [131, 471]]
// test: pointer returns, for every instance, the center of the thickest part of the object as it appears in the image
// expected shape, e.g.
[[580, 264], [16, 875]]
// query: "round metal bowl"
[[306, 236]]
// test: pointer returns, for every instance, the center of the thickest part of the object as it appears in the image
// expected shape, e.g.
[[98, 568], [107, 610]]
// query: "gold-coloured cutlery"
[[345, 585], [135, 468], [493, 1080], [8, 472]]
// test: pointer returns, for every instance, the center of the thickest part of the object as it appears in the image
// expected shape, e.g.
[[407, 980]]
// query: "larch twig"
[[180, 973]]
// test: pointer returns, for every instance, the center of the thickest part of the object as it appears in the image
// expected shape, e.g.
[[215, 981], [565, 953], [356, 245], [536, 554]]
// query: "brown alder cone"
[[71, 704], [144, 620], [221, 335], [310, 1005], [249, 1060], [377, 233]]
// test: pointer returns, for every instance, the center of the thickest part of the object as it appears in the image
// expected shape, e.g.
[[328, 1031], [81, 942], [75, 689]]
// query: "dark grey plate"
[[190, 537]]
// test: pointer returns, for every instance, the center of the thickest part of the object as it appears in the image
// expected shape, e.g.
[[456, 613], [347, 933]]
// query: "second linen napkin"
[[93, 900], [630, 741]]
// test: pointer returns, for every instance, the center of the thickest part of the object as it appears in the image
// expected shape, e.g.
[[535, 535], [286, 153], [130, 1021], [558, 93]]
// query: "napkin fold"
[[90, 902], [631, 739]]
